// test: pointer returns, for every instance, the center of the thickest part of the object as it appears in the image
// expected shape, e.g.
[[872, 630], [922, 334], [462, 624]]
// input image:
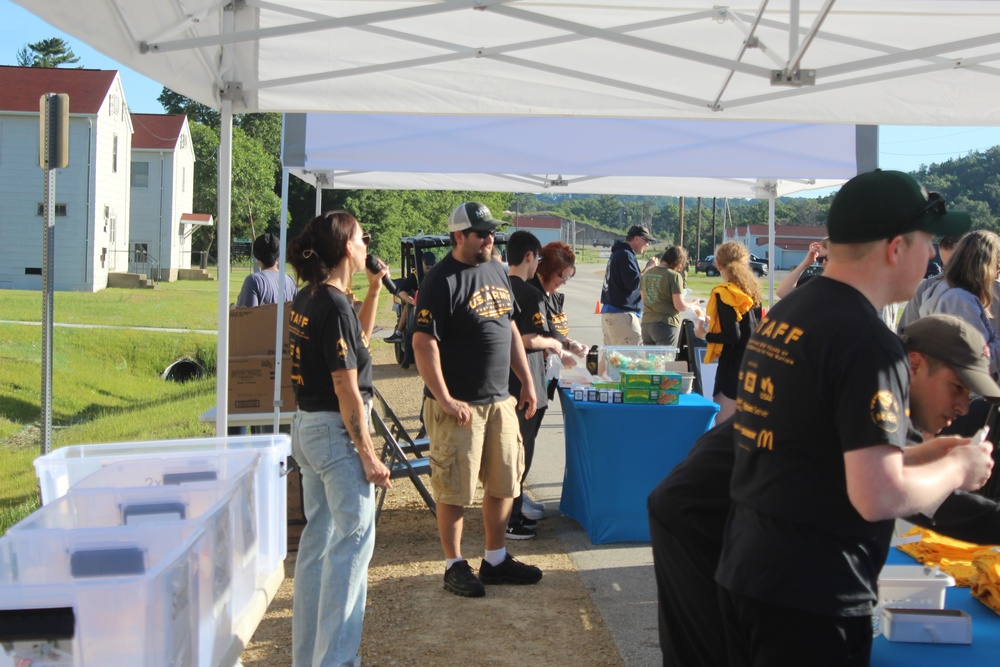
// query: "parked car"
[[707, 266]]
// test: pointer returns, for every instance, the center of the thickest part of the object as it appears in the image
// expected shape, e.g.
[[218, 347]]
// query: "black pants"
[[529, 431], [690, 623], [764, 635]]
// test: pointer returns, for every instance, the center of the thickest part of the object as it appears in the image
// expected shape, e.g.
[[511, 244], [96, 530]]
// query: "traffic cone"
[[597, 311]]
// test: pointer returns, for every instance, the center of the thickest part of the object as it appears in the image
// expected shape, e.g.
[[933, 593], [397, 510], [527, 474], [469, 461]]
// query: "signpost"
[[53, 153]]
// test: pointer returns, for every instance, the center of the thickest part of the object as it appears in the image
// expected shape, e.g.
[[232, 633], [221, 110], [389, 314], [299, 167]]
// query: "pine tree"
[[51, 52]]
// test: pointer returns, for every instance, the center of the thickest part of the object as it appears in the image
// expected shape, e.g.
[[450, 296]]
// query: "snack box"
[[610, 386], [665, 381], [646, 396], [616, 358]]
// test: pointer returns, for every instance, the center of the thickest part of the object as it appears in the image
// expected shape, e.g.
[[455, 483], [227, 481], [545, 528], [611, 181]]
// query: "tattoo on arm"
[[354, 427]]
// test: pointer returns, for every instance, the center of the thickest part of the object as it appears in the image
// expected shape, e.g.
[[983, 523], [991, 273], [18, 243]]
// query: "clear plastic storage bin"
[[616, 358], [112, 597], [220, 497], [67, 466]]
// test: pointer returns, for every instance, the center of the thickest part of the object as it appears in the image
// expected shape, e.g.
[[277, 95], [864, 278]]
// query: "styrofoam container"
[[62, 468], [223, 501], [912, 587], [131, 594]]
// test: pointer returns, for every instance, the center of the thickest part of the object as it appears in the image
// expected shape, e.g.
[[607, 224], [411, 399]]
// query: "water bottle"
[[592, 359]]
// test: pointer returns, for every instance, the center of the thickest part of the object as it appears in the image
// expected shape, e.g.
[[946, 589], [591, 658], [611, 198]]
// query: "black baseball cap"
[[958, 344], [641, 232], [882, 204], [472, 215]]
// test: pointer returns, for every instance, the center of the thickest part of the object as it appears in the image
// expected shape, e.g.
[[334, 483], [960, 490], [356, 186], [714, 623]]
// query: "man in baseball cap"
[[472, 215], [822, 414], [882, 204]]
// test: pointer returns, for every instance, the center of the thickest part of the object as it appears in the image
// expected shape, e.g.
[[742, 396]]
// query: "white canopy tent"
[[581, 155], [828, 61], [573, 155]]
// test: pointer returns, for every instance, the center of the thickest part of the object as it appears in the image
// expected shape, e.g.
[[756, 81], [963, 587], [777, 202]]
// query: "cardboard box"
[[665, 380], [251, 330], [251, 384], [646, 396]]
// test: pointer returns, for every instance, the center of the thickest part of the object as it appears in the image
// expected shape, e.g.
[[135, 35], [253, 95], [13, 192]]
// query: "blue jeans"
[[331, 571]]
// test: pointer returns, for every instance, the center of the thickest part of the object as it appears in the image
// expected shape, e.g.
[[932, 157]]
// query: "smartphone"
[[980, 435]]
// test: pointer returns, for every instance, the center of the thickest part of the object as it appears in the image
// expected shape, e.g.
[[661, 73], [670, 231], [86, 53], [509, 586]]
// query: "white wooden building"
[[790, 241], [92, 193], [162, 178]]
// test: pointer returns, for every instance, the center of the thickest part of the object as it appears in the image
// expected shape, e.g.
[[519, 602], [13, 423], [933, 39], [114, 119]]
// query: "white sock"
[[496, 556], [448, 562]]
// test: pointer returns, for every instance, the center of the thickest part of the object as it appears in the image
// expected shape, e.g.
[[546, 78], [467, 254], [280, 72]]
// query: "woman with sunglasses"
[[557, 265], [332, 377]]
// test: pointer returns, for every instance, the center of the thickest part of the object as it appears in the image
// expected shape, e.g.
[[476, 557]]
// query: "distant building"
[[791, 242], [547, 228], [92, 193], [162, 194]]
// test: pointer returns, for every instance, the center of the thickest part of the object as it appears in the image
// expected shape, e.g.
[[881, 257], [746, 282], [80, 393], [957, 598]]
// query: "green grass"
[[106, 382]]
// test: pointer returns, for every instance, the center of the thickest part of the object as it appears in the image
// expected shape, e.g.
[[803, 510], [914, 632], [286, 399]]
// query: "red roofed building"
[[91, 194], [162, 193], [790, 241]]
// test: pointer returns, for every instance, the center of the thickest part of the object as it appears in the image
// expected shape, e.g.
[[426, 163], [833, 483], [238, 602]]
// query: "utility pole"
[[697, 240], [715, 240], [680, 224]]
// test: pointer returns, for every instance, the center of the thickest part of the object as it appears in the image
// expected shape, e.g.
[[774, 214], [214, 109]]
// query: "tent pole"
[[772, 191], [279, 328], [223, 244]]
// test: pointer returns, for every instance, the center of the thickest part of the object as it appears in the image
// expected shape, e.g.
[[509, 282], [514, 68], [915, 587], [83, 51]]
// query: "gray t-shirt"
[[261, 288]]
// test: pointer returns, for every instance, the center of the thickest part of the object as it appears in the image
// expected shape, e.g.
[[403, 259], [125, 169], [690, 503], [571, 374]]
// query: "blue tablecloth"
[[617, 454], [985, 647]]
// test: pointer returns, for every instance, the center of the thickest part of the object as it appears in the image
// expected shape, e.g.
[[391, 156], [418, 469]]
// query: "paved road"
[[619, 576]]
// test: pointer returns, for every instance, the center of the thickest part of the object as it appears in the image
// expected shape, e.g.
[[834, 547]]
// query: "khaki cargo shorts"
[[487, 450]]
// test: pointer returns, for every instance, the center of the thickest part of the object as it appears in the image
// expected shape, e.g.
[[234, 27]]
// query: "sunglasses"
[[935, 204], [483, 234], [821, 258], [366, 238], [566, 277]]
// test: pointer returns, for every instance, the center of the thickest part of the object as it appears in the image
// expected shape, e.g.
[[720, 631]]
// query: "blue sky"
[[902, 148]]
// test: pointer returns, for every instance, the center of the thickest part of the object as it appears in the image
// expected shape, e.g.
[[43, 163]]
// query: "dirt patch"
[[411, 620]]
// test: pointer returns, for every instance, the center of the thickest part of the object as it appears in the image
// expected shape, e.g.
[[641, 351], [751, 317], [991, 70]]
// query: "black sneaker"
[[460, 580], [394, 337], [530, 524], [510, 571], [518, 531]]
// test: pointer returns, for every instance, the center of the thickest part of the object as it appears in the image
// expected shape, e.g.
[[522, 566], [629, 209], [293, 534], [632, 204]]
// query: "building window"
[[184, 141], [140, 174], [141, 252], [60, 210], [114, 156], [183, 178]]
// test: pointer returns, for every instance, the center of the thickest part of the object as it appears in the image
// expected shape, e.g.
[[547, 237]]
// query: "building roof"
[[21, 87], [538, 221], [156, 131]]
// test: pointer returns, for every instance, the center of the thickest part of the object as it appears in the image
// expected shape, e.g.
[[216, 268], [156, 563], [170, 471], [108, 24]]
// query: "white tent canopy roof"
[[573, 155], [922, 62]]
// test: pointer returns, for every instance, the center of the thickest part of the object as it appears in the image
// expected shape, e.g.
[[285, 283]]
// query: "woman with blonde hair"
[[965, 289], [732, 314]]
